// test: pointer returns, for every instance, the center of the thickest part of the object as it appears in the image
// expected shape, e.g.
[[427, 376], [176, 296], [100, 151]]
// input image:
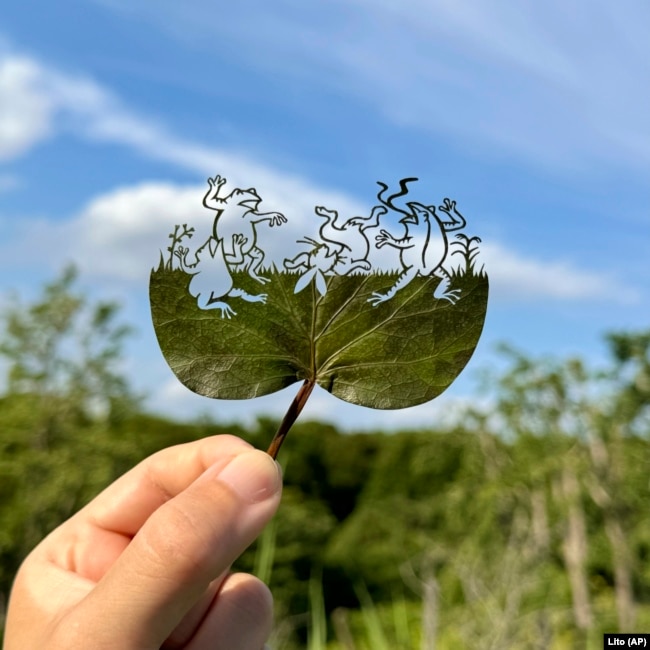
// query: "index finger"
[[126, 504]]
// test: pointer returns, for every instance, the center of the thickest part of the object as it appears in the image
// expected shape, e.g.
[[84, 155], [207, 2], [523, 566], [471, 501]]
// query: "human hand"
[[145, 565]]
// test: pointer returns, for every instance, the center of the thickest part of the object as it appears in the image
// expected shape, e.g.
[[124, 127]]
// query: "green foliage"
[[67, 352], [337, 340], [461, 538], [43, 485]]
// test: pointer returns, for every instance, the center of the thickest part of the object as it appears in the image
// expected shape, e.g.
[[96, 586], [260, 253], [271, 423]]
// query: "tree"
[[623, 415], [65, 352], [65, 397], [600, 411], [546, 399]]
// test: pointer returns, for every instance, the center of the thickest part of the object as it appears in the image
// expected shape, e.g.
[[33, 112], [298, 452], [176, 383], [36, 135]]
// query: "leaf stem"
[[290, 417]]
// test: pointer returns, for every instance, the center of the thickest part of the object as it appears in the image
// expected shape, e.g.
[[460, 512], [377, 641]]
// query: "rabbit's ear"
[[305, 279], [321, 285]]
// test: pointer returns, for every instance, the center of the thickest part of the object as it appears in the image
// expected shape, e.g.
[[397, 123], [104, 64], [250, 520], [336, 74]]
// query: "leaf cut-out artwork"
[[382, 310]]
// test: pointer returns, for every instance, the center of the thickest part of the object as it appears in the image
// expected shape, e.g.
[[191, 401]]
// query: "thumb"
[[184, 545]]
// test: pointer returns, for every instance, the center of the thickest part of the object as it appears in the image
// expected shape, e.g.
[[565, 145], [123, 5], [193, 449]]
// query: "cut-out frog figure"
[[423, 249], [238, 215]]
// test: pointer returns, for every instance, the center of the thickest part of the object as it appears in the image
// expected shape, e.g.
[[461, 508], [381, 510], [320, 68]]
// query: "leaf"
[[331, 314], [403, 352]]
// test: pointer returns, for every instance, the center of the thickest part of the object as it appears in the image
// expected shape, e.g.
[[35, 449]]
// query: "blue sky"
[[534, 116]]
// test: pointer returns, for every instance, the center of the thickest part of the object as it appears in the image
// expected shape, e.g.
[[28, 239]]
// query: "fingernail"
[[253, 475]]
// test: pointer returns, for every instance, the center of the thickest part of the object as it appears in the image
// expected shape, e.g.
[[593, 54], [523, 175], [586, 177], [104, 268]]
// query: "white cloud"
[[515, 277], [39, 101], [118, 235], [25, 107]]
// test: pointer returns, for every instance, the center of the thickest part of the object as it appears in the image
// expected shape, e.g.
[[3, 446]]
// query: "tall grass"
[[317, 631], [265, 553], [370, 628]]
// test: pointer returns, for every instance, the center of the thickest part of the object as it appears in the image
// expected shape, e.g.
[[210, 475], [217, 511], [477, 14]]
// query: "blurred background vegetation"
[[523, 527]]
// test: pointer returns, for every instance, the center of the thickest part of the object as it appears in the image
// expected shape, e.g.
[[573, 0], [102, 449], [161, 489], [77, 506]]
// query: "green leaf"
[[333, 315], [402, 352]]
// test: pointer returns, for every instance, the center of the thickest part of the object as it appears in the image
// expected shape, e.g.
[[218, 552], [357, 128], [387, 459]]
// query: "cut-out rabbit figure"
[[211, 281], [342, 248]]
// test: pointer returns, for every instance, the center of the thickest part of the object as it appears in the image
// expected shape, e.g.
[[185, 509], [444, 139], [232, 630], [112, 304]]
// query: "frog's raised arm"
[[211, 199], [457, 220]]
